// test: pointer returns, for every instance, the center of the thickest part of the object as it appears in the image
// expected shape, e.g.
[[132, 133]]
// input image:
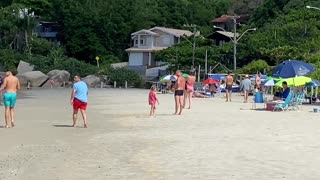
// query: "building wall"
[[164, 40], [136, 59]]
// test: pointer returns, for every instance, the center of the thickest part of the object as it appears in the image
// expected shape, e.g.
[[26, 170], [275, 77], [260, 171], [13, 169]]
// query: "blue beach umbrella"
[[314, 83], [292, 68]]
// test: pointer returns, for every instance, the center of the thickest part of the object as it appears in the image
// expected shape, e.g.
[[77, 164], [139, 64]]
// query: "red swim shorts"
[[79, 104]]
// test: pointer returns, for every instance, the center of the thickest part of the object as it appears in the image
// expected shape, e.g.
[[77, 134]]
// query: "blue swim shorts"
[[9, 99]]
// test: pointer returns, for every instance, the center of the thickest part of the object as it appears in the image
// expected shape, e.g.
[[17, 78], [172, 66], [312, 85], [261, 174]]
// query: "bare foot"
[[6, 127], [12, 124], [74, 125], [85, 126]]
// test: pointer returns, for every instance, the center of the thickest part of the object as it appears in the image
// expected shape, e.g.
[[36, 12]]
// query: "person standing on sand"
[[189, 88], [258, 81], [11, 85], [79, 100], [246, 87], [179, 88], [229, 83], [153, 99]]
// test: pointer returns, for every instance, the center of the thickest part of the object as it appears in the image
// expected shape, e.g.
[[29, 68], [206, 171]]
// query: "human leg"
[[190, 99], [181, 98], [12, 116], [177, 103], [84, 117], [75, 116]]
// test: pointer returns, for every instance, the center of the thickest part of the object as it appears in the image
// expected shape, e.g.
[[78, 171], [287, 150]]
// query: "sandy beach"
[[214, 140]]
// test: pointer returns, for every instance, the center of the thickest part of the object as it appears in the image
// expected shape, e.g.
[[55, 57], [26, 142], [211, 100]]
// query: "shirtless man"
[[258, 81], [229, 83], [179, 88], [11, 85]]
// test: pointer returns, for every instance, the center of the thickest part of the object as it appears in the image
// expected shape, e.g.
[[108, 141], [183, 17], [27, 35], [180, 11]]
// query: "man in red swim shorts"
[[79, 100]]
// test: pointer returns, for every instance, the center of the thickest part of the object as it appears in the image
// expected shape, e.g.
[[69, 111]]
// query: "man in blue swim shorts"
[[11, 85]]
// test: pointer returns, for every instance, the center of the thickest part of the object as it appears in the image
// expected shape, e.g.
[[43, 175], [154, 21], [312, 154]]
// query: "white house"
[[146, 42]]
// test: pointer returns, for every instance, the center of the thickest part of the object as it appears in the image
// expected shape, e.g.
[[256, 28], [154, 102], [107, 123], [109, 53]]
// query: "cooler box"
[[270, 106]]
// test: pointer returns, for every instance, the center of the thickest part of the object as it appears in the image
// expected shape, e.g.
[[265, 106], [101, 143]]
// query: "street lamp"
[[194, 41], [235, 40], [311, 7]]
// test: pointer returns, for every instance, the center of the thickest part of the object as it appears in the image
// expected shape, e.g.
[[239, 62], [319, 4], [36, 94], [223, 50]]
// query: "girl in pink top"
[[153, 100]]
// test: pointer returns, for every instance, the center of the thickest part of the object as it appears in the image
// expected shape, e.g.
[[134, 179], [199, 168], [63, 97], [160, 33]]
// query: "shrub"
[[254, 67], [120, 75]]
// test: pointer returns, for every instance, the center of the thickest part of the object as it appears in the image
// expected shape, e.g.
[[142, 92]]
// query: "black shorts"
[[229, 87], [178, 93]]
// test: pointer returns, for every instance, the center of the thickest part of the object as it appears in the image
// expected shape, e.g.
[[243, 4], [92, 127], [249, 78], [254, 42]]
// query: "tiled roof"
[[223, 18], [144, 31], [228, 34], [174, 32]]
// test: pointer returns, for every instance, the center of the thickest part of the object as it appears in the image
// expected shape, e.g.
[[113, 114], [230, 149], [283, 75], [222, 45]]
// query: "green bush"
[[120, 75], [9, 59], [254, 67]]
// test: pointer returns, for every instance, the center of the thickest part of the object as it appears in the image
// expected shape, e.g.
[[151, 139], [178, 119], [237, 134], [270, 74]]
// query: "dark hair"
[[192, 72], [285, 83]]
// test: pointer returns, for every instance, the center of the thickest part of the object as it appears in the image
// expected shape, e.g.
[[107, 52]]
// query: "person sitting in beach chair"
[[284, 94], [199, 95], [283, 106]]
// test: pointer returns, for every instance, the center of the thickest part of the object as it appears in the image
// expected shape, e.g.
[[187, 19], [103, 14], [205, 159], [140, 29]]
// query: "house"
[[221, 37], [146, 42], [47, 30], [226, 23]]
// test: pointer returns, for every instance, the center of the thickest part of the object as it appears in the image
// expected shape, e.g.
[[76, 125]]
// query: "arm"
[[18, 84], [4, 85], [73, 92]]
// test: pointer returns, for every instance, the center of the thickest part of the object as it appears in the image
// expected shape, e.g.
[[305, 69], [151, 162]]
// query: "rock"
[[36, 78], [58, 77], [92, 80], [24, 67]]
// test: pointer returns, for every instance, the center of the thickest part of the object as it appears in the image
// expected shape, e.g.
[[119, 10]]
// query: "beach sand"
[[214, 140]]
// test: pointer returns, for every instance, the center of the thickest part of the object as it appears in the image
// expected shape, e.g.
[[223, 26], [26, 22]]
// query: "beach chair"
[[297, 101], [258, 99], [283, 106]]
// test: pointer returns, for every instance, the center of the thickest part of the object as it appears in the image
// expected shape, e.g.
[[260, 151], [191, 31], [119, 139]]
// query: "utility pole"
[[194, 44], [235, 43]]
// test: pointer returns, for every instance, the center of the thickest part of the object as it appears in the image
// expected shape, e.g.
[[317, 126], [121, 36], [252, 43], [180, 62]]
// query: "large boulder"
[[59, 77], [24, 67], [92, 80], [36, 78]]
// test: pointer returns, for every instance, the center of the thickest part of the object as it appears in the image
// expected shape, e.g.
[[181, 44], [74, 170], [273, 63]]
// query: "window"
[[136, 42], [141, 42]]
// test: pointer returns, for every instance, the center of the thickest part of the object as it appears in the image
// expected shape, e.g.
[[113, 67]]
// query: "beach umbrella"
[[185, 75], [210, 81], [292, 68], [270, 81], [168, 78], [295, 81], [314, 83]]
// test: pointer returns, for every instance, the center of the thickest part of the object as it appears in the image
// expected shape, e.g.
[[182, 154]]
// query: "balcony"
[[48, 34]]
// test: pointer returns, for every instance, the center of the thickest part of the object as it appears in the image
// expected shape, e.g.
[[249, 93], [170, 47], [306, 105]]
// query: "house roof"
[[153, 49], [223, 18], [174, 32], [145, 31], [227, 33]]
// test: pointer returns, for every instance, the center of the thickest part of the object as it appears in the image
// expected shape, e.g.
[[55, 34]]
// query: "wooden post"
[[115, 84], [126, 84], [199, 73], [101, 84]]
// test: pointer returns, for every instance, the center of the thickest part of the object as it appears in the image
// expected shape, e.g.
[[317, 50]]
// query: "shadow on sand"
[[63, 126]]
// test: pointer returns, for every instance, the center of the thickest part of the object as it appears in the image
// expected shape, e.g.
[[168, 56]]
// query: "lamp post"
[[194, 41], [311, 7], [235, 39]]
